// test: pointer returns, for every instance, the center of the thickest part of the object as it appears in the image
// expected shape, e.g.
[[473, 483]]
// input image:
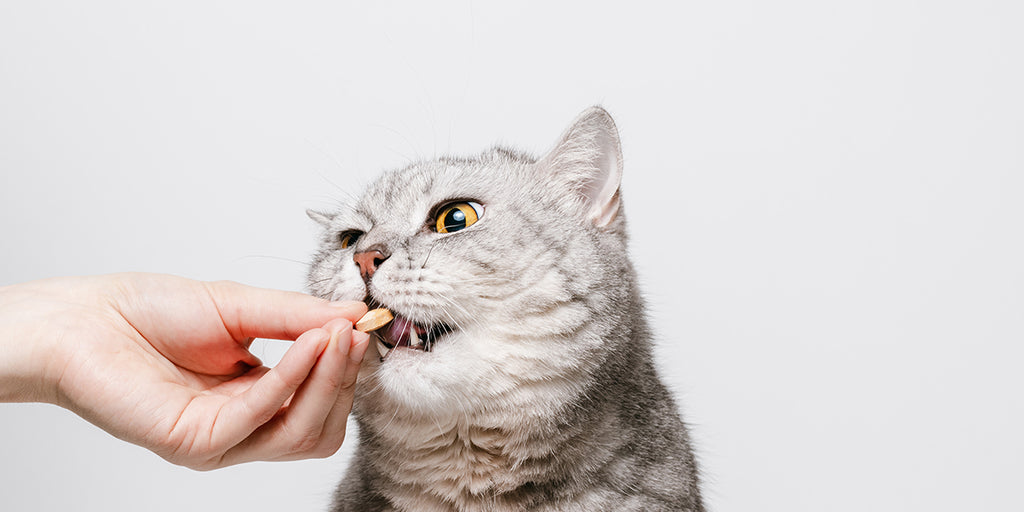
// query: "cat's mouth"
[[403, 333]]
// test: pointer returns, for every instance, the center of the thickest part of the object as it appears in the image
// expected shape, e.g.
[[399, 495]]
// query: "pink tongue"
[[398, 332]]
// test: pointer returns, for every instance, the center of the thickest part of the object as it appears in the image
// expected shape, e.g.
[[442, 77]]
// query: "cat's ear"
[[324, 219], [588, 158]]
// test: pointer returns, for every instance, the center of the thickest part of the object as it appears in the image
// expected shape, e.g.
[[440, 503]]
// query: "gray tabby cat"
[[518, 372]]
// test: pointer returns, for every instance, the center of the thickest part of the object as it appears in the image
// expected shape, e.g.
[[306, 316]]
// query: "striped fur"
[[545, 397]]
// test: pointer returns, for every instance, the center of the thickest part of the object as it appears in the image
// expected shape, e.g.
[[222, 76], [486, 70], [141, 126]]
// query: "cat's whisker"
[[275, 258], [416, 154], [440, 429], [482, 280], [322, 281], [387, 425], [427, 257], [455, 305]]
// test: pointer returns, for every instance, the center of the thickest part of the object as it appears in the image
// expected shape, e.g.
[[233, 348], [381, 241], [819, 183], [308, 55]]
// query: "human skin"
[[163, 362]]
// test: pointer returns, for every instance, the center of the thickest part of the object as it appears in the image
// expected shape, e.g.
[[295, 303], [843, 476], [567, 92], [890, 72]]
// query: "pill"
[[374, 319]]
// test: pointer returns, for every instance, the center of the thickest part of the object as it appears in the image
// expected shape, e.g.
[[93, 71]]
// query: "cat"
[[518, 372]]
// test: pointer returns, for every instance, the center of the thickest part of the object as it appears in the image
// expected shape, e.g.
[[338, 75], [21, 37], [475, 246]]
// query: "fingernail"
[[322, 338], [360, 340]]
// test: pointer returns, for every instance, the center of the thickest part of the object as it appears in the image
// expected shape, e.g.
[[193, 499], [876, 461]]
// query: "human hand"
[[163, 362]]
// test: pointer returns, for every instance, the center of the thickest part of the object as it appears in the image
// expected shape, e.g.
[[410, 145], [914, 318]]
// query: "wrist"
[[30, 359]]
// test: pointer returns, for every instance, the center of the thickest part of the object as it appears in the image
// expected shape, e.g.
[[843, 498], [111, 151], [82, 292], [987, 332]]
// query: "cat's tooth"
[[382, 348], [414, 340]]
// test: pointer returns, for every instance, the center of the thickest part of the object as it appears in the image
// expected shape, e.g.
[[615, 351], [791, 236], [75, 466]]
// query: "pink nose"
[[368, 261]]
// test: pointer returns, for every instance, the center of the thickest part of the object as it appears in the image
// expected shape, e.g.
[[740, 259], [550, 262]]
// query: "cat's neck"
[[495, 459], [488, 462]]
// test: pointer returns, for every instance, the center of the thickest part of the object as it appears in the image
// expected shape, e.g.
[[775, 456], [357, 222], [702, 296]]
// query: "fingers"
[[313, 424], [304, 421], [337, 419], [263, 313], [259, 404]]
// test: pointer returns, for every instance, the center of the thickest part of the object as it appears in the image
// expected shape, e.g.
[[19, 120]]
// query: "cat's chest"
[[457, 466], [453, 460]]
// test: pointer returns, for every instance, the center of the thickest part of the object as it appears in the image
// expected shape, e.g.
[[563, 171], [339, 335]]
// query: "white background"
[[825, 201]]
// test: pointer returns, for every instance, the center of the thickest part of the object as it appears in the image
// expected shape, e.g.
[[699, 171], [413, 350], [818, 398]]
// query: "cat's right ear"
[[587, 161], [324, 219]]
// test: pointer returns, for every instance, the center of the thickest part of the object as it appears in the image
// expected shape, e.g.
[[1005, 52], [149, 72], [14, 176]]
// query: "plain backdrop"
[[825, 201]]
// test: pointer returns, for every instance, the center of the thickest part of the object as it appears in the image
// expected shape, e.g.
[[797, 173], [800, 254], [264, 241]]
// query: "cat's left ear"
[[588, 158], [324, 219]]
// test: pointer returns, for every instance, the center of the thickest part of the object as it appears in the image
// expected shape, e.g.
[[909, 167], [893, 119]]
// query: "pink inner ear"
[[605, 216], [589, 154], [602, 192]]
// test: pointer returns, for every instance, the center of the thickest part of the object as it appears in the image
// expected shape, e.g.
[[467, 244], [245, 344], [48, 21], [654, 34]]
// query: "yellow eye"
[[457, 216], [348, 238]]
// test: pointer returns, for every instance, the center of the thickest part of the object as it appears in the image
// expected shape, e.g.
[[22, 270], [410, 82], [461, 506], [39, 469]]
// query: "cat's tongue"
[[402, 332]]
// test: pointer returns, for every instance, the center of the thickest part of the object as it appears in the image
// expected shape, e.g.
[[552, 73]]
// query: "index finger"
[[247, 311]]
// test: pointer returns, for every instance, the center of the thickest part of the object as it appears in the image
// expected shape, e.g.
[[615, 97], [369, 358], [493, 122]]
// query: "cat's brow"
[[358, 217]]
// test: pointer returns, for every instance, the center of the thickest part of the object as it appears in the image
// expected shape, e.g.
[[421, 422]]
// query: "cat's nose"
[[368, 261]]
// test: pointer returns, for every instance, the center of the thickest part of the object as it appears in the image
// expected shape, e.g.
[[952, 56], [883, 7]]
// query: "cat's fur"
[[545, 397]]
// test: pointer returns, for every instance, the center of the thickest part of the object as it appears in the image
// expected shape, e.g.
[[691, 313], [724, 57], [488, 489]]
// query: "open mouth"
[[403, 333]]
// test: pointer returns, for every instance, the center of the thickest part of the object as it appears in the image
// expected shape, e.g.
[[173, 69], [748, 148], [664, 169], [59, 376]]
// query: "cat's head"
[[508, 271]]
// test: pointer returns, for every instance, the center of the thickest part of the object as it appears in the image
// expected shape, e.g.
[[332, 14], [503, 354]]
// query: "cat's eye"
[[348, 238], [457, 216]]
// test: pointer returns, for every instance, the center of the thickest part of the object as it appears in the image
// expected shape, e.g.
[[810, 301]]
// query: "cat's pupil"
[[455, 220]]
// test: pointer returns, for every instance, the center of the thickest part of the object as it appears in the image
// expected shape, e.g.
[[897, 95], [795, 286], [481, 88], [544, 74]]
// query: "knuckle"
[[203, 466], [326, 450], [306, 443], [349, 380], [195, 464], [334, 382]]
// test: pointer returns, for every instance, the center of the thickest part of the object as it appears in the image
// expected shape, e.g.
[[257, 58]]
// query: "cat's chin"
[[427, 382]]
